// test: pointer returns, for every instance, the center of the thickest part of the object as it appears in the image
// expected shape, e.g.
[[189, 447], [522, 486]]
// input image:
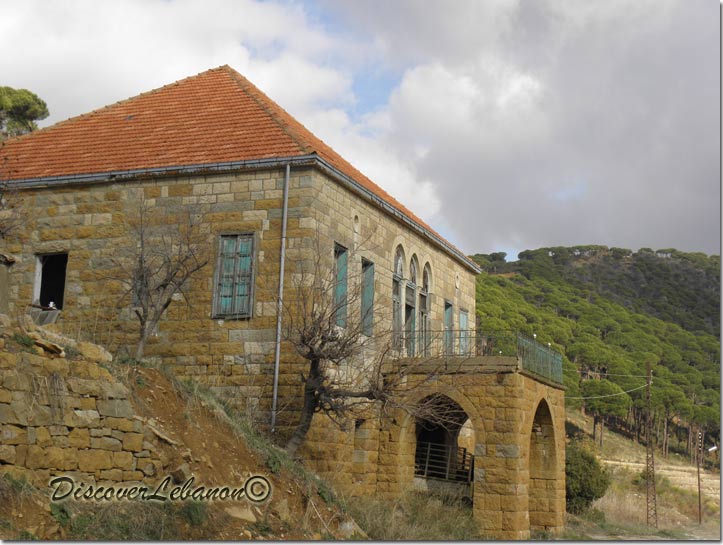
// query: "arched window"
[[397, 298], [424, 304], [410, 309]]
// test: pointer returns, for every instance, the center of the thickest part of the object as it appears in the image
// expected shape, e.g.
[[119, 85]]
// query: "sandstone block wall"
[[70, 417]]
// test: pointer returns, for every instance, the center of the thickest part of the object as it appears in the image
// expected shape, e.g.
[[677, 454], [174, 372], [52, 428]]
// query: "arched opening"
[[543, 469], [424, 291], [410, 310], [438, 454], [397, 277]]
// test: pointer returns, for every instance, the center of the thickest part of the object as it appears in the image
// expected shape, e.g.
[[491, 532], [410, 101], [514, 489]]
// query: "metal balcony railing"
[[534, 356], [436, 461], [539, 359]]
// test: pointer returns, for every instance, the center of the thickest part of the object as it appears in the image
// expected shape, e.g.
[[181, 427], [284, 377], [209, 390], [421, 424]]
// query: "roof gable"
[[217, 116]]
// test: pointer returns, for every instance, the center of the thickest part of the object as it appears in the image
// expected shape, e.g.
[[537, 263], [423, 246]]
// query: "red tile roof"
[[216, 116]]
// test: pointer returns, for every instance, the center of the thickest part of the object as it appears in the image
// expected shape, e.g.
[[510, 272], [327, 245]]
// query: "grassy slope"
[[621, 513]]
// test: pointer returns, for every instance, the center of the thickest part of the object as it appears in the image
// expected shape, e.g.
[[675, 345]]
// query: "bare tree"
[[165, 249], [348, 370]]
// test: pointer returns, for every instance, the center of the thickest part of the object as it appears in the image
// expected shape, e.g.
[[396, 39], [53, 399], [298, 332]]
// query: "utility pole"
[[652, 510], [698, 455]]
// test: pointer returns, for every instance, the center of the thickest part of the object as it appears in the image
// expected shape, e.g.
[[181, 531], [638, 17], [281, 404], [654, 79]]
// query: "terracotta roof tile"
[[216, 116]]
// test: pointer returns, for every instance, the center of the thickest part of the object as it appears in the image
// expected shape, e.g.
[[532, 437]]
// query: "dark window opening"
[[409, 320], [52, 279]]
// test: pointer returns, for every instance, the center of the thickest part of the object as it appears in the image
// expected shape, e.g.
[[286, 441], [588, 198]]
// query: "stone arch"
[[427, 277], [543, 470], [399, 259], [407, 429]]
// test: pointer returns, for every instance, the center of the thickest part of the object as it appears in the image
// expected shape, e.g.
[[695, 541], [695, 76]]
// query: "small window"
[[367, 297], [49, 288], [235, 277], [341, 256]]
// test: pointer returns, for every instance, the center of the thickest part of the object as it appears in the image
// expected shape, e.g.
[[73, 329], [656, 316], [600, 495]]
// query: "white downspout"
[[280, 301]]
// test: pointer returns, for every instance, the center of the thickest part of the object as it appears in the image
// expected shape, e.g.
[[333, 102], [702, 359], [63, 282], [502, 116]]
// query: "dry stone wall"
[[69, 417]]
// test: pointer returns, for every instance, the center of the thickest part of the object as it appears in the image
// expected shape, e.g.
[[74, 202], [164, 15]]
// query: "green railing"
[[539, 359], [534, 356]]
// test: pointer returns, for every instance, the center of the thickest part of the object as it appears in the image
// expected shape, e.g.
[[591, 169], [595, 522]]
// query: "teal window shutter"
[[463, 333], [448, 333], [235, 275], [367, 298], [340, 291]]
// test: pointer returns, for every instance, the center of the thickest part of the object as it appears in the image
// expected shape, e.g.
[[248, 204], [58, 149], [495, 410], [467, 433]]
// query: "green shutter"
[[463, 333], [233, 296], [367, 298], [448, 333]]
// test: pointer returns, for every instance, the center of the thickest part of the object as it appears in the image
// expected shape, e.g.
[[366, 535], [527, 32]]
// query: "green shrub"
[[195, 512], [23, 340], [60, 513], [585, 479], [71, 352]]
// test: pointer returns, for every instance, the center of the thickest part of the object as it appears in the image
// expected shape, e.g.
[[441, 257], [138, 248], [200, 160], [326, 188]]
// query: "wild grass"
[[415, 516], [276, 459]]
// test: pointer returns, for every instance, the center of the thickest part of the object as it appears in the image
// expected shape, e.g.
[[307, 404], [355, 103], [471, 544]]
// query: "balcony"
[[532, 356]]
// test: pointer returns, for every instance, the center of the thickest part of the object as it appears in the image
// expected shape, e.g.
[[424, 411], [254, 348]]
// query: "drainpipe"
[[280, 302]]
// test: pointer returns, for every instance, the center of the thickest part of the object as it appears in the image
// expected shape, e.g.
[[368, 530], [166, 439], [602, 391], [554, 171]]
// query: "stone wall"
[[69, 417]]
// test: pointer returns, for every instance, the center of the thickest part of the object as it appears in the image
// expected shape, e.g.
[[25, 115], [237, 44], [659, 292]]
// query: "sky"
[[505, 124]]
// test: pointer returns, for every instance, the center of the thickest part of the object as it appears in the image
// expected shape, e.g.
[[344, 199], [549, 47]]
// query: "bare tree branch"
[[349, 372], [164, 251]]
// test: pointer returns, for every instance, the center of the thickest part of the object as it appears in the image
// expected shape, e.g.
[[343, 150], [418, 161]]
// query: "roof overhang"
[[312, 160]]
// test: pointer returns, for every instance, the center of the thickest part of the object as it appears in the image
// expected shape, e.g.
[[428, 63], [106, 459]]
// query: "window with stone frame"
[[233, 297]]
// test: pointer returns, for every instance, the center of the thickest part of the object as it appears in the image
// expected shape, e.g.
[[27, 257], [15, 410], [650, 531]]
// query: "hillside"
[[611, 312], [185, 430], [678, 287]]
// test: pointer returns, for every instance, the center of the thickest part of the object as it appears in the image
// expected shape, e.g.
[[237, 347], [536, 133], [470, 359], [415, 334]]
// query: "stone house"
[[268, 194]]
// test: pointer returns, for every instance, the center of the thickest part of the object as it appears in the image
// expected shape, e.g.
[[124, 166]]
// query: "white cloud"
[[498, 114]]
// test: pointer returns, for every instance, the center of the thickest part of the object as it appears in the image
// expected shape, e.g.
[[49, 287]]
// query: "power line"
[[603, 373], [610, 395], [620, 375]]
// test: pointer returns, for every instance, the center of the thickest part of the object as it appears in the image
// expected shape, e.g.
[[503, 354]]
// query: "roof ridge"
[[272, 108], [301, 135], [114, 104]]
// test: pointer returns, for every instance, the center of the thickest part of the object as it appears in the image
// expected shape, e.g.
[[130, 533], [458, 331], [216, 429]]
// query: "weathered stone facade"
[[90, 224]]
